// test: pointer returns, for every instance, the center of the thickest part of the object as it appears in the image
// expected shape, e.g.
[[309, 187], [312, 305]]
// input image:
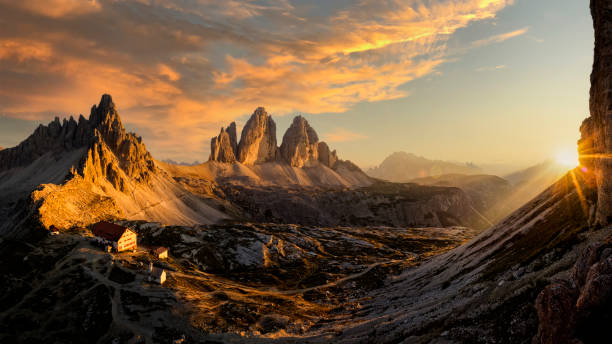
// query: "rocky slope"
[[226, 284], [489, 194], [317, 195]]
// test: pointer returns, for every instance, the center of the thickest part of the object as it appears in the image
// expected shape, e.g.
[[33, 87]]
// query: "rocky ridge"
[[102, 132], [72, 174], [300, 146]]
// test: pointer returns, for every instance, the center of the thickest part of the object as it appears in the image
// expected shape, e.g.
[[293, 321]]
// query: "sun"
[[567, 157]]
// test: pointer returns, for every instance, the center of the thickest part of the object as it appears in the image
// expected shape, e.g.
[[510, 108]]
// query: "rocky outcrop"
[[575, 310], [258, 139], [326, 157], [224, 148], [300, 143], [114, 152], [300, 147], [595, 145]]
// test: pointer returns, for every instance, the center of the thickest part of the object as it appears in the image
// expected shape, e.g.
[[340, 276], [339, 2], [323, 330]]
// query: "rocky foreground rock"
[[300, 147]]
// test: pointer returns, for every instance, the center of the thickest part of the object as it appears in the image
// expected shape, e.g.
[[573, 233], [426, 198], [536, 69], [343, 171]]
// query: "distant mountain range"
[[184, 163], [402, 167]]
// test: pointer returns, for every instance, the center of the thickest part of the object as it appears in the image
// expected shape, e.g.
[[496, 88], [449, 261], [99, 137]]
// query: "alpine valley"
[[270, 242]]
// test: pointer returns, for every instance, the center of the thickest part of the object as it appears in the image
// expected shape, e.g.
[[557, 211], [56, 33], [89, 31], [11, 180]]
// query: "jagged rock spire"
[[258, 139], [327, 157], [223, 148], [299, 148], [300, 143], [103, 134]]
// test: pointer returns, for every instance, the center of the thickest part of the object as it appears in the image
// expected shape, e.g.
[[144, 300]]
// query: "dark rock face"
[[576, 310], [223, 148], [326, 157], [56, 136], [258, 139], [595, 144], [381, 204], [300, 143]]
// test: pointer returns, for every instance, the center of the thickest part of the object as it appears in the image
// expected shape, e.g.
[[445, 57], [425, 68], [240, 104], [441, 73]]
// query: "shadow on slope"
[[484, 291]]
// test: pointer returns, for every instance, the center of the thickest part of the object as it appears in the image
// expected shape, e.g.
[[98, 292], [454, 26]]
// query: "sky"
[[493, 82]]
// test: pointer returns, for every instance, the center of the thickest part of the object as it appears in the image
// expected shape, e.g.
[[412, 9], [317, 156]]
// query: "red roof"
[[109, 231], [159, 249]]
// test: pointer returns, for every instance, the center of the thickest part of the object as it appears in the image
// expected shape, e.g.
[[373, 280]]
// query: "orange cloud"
[[343, 135], [57, 8], [24, 50], [195, 65]]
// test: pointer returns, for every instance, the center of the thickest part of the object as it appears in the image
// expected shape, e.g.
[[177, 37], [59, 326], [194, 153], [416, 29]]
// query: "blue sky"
[[509, 85], [518, 114]]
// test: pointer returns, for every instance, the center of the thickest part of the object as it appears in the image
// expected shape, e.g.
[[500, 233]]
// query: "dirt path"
[[294, 291]]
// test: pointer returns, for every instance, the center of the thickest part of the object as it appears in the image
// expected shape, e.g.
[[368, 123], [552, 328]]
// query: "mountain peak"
[[260, 111], [106, 102], [258, 139], [300, 146], [300, 143], [223, 147], [104, 128], [105, 115]]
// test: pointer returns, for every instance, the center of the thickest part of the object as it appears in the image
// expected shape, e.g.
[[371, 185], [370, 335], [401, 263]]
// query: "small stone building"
[[160, 252], [157, 275], [119, 237]]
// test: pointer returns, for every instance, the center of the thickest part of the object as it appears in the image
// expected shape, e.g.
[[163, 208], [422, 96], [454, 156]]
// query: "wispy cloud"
[[491, 69], [343, 135], [194, 65], [500, 38]]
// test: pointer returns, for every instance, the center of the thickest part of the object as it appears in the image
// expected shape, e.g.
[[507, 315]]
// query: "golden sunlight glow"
[[567, 157]]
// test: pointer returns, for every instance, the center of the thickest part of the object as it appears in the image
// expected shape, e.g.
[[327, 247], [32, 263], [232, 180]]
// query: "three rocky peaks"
[[300, 147]]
